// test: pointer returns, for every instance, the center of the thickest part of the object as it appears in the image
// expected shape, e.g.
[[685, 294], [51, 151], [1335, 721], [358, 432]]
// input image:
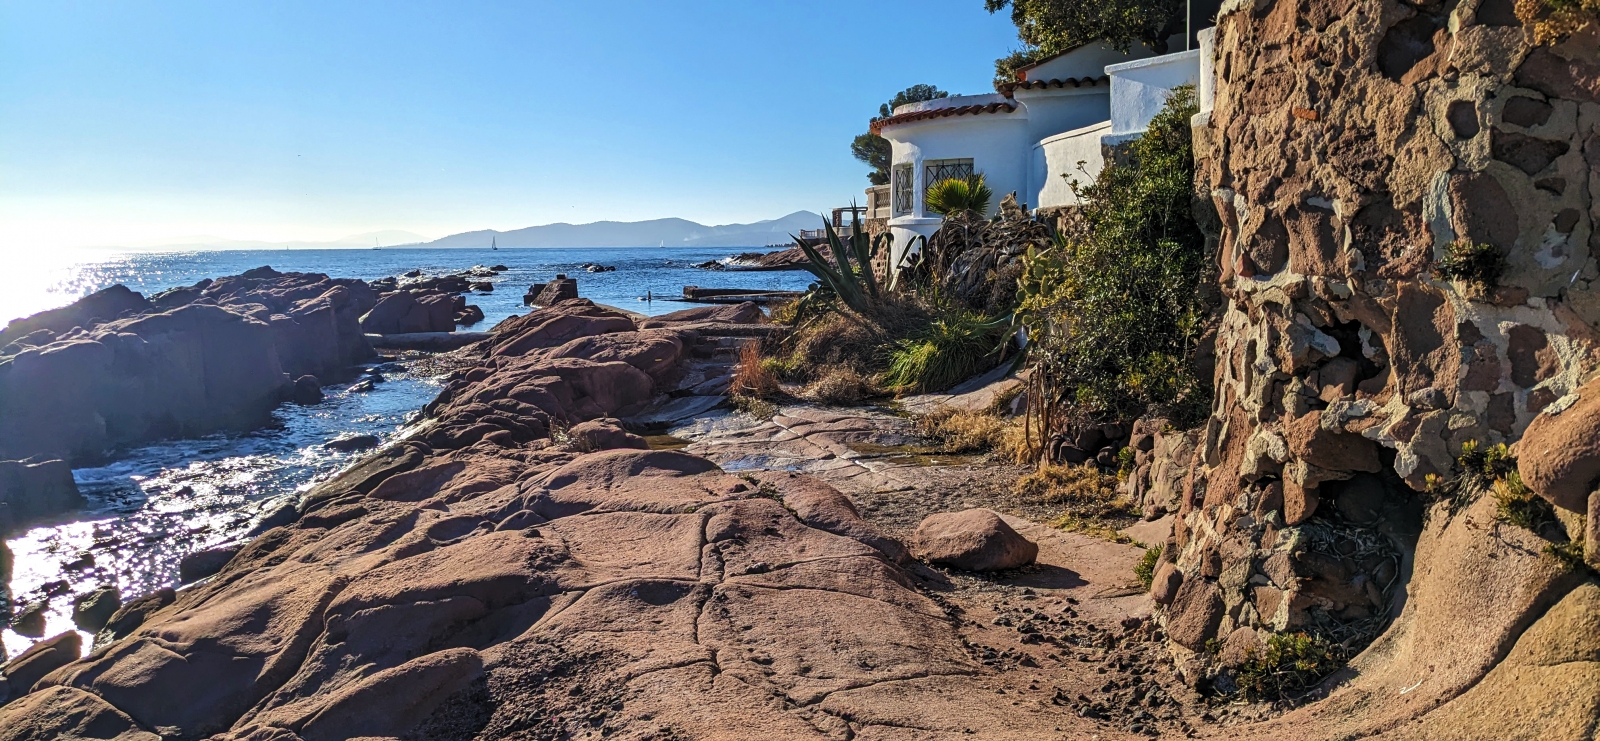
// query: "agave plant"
[[960, 195], [853, 282]]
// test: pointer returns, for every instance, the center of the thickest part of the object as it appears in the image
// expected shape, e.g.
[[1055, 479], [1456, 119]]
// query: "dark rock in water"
[[278, 517], [499, 268], [407, 312], [552, 293], [30, 492], [201, 564], [597, 268], [469, 316], [483, 287], [307, 391], [89, 311], [362, 387], [353, 443], [92, 611], [414, 274], [42, 658], [132, 615], [30, 620]]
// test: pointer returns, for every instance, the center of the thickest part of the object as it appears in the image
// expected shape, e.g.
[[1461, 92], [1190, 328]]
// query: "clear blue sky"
[[128, 122]]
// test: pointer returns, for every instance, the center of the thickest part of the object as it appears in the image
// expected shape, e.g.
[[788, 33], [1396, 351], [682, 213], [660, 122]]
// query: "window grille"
[[934, 171], [902, 189]]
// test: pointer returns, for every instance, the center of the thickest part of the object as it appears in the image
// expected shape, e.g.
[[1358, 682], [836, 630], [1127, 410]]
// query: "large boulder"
[[744, 313], [603, 434], [1559, 456], [972, 540], [91, 611], [556, 325], [552, 293], [409, 312], [190, 371], [40, 659], [35, 491], [92, 310]]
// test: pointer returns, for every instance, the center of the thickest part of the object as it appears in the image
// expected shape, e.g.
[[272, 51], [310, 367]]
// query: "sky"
[[129, 123]]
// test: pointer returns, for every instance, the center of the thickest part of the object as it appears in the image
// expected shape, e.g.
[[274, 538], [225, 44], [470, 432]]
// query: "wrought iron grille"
[[902, 189], [934, 171]]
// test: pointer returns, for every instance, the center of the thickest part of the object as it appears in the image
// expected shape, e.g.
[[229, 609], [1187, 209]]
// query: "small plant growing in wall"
[[1145, 570], [1554, 21], [1474, 263]]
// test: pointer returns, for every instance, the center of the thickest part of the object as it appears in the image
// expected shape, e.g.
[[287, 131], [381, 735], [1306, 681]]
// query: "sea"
[[153, 504]]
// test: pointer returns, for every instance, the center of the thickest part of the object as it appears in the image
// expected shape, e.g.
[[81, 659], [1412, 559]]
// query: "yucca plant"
[[960, 195], [850, 275]]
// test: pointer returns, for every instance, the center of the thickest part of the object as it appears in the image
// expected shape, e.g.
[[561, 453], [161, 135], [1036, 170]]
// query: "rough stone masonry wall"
[[1350, 142]]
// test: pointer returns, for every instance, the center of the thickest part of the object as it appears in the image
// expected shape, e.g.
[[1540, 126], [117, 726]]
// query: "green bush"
[[955, 346], [1473, 263], [968, 195], [1145, 570], [1290, 664], [1115, 310]]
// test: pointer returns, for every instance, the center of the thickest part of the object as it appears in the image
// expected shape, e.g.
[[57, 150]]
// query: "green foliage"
[[1516, 504], [1569, 554], [1473, 263], [1048, 27], [873, 150], [954, 347], [1114, 310], [1477, 470], [968, 195], [849, 276], [1290, 664], [1145, 570]]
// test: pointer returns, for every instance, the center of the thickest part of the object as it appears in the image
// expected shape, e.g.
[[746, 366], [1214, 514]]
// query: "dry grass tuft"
[[752, 378], [841, 385], [1084, 492]]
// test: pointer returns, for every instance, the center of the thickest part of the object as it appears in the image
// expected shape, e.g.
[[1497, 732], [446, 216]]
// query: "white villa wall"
[[1055, 110], [1139, 89], [1085, 61], [952, 101], [1056, 159], [997, 144]]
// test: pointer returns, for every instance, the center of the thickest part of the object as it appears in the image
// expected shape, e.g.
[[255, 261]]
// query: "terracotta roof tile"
[[878, 125], [1006, 88]]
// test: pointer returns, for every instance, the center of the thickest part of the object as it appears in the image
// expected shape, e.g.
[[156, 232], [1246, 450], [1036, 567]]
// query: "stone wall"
[[1351, 142]]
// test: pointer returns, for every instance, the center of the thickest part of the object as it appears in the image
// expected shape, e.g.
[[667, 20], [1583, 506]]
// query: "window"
[[934, 171], [902, 176]]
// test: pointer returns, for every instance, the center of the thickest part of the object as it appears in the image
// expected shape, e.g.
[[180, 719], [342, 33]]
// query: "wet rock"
[[33, 491], [482, 286], [307, 391], [91, 611], [30, 619], [353, 443], [1559, 455], [972, 540], [201, 564], [552, 293], [40, 659]]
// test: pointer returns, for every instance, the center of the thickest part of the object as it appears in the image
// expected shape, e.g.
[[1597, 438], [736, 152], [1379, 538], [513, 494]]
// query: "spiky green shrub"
[[1145, 570], [1289, 664], [1115, 309], [849, 276], [956, 345], [952, 196]]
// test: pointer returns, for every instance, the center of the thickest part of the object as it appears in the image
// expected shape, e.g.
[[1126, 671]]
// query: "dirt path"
[[1068, 636]]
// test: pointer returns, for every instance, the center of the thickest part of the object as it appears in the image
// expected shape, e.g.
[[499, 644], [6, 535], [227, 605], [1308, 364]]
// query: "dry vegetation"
[[1088, 498]]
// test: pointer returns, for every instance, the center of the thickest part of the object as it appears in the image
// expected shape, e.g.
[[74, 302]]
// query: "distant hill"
[[208, 242], [671, 232]]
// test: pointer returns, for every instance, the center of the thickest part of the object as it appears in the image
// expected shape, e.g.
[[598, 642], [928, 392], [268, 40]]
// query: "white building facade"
[[1032, 136]]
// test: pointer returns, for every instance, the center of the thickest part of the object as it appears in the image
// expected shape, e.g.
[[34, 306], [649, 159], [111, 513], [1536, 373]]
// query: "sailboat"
[[493, 245], [375, 244]]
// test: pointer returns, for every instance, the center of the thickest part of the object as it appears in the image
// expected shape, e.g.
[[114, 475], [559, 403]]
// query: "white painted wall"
[[997, 144], [1055, 110], [1058, 156], [1140, 89], [953, 101]]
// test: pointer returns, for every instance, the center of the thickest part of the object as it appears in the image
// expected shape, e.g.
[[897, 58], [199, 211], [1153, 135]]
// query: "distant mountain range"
[[653, 233], [670, 232]]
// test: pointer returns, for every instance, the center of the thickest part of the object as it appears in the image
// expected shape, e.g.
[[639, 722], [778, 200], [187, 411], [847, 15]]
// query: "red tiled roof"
[[878, 125], [1006, 88]]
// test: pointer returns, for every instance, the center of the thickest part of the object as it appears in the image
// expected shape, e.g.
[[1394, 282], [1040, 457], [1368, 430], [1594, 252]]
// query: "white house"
[[1028, 135]]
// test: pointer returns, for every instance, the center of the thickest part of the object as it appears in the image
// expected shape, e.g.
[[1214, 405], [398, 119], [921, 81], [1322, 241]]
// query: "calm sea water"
[[154, 504]]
